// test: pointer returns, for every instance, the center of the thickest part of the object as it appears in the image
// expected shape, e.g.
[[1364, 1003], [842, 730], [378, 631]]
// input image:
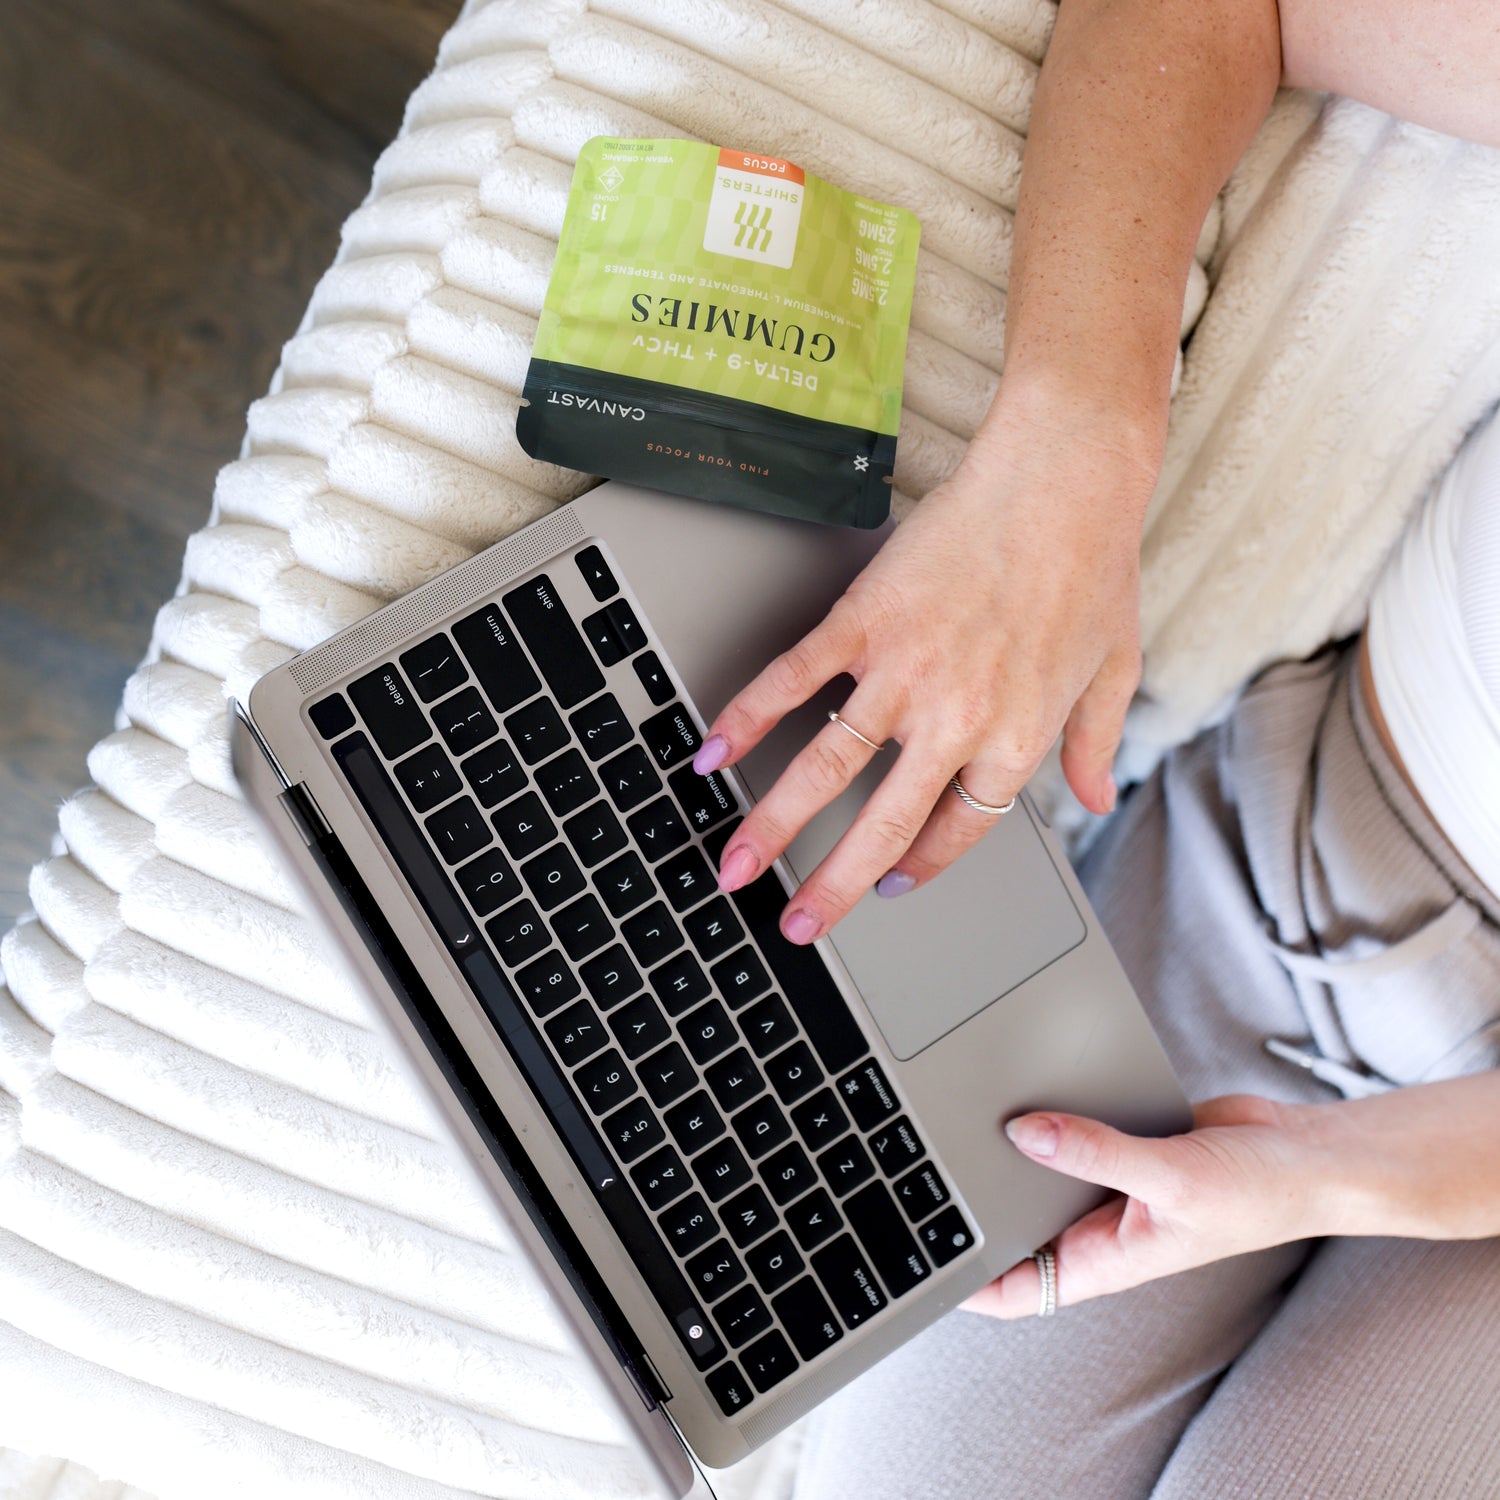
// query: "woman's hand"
[[1004, 609], [1250, 1174]]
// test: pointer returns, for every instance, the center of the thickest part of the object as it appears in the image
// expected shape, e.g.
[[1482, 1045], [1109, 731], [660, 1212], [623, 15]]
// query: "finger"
[[1091, 737], [1092, 1152], [792, 678], [818, 773], [876, 839], [952, 829], [1017, 1293]]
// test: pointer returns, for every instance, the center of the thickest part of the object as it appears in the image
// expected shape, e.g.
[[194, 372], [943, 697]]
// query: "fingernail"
[[712, 754], [802, 926], [894, 883], [739, 867], [1036, 1135], [1111, 794]]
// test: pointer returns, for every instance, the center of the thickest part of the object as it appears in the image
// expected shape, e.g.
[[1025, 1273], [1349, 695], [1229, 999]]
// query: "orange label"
[[767, 166]]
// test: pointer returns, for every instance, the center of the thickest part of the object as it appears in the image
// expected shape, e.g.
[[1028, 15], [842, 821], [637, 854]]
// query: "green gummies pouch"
[[725, 326]]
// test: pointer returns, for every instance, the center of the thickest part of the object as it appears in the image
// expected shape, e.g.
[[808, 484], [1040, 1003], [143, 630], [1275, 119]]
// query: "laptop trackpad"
[[928, 961]]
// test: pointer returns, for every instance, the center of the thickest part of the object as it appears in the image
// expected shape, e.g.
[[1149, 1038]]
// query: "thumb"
[[1092, 1152], [1092, 734]]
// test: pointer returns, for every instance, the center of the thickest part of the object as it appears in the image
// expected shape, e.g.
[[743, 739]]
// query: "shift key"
[[538, 613]]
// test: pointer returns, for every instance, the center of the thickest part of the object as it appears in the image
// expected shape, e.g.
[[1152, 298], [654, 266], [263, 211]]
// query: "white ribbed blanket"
[[233, 1261]]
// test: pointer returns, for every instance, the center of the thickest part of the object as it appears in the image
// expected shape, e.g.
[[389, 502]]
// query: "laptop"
[[746, 1170]]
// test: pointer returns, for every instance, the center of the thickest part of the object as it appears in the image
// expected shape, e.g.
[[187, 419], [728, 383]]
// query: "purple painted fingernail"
[[739, 867], [712, 754], [894, 883], [802, 926]]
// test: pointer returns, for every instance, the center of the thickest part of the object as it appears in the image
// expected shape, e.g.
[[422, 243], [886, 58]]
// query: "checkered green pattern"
[[634, 230]]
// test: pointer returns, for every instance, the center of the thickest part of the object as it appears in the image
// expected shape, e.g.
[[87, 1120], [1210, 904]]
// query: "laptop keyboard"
[[706, 1075]]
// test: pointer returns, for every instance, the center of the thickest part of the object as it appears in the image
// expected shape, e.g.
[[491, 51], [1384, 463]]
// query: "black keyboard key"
[[667, 1075], [686, 879], [547, 983], [614, 632], [488, 882], [768, 1361], [670, 736], [820, 1120], [715, 1271], [740, 978], [895, 1147], [694, 1122], [688, 1225], [624, 884], [332, 716], [629, 779], [652, 934], [846, 1165], [627, 628], [721, 1170], [788, 1174], [794, 1073], [705, 800], [639, 1026], [517, 933], [680, 984], [596, 573], [428, 778], [495, 773], [850, 1283], [523, 826], [708, 1032], [920, 1192], [550, 635], [434, 668], [867, 1094], [742, 1315], [605, 1082], [946, 1236], [658, 829], [633, 1130], [537, 731], [768, 1026], [553, 877], [774, 1262], [582, 927], [500, 665], [661, 1178], [653, 677], [885, 1238], [802, 976], [611, 977], [694, 1331], [761, 1127], [566, 782], [807, 1317], [729, 1388], [813, 1219], [459, 830], [735, 1080], [601, 726], [464, 722], [390, 711], [749, 1216], [577, 1033], [595, 833], [713, 929]]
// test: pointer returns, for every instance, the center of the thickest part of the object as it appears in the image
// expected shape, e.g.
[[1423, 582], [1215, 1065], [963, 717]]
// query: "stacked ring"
[[1046, 1264]]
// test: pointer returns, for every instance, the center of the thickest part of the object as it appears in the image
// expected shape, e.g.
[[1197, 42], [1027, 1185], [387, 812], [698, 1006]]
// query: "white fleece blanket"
[[233, 1259]]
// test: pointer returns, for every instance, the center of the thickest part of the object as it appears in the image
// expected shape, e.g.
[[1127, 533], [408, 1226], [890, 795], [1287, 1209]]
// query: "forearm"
[[1142, 109], [1420, 1162]]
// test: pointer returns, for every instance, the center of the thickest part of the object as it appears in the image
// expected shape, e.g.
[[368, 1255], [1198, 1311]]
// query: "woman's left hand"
[[1250, 1174]]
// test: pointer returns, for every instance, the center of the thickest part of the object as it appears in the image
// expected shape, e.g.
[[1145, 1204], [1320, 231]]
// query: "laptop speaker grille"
[[492, 569]]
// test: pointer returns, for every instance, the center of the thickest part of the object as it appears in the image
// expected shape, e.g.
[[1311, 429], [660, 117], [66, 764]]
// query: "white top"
[[1434, 638]]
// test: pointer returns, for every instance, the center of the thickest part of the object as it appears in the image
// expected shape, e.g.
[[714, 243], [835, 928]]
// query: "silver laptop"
[[746, 1170]]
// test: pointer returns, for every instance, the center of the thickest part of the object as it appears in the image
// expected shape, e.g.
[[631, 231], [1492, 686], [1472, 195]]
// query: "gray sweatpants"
[[1276, 879]]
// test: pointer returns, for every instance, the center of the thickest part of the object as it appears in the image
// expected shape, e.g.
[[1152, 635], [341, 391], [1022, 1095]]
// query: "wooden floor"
[[172, 177]]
